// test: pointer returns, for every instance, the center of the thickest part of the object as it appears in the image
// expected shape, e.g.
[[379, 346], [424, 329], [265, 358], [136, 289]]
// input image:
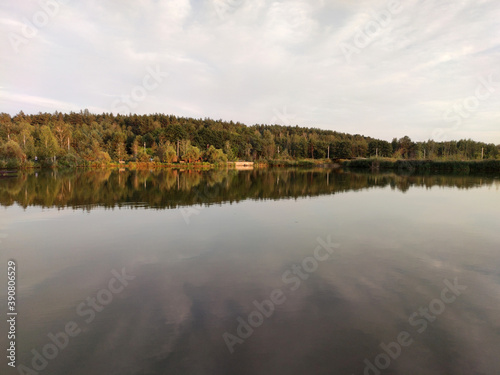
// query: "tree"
[[135, 147], [229, 151], [12, 150], [25, 138], [170, 154], [385, 148], [118, 149], [268, 145], [191, 154], [47, 147], [373, 148], [6, 125], [342, 149], [406, 147], [215, 156], [359, 147], [395, 145], [86, 135], [62, 132], [490, 151], [142, 155], [166, 152]]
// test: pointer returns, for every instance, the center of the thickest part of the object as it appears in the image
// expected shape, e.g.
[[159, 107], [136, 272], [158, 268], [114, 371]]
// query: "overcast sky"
[[426, 69]]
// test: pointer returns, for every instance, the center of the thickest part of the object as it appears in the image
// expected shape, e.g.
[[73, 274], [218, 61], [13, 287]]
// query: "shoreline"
[[370, 164], [468, 166]]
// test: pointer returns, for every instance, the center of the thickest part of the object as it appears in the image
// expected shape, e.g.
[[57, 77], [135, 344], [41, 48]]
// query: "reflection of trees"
[[172, 188]]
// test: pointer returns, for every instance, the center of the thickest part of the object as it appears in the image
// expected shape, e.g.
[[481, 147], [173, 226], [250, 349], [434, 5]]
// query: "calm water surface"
[[253, 272]]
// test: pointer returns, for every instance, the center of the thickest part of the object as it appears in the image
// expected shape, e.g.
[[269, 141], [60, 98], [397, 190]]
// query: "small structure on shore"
[[242, 165]]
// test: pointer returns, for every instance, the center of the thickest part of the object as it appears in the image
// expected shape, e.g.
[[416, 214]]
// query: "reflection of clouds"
[[173, 315], [192, 283], [37, 214]]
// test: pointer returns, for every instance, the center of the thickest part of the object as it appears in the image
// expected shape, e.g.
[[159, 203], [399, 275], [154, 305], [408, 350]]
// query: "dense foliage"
[[71, 139]]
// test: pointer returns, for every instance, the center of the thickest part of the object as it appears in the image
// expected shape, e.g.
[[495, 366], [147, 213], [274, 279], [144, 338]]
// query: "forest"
[[86, 139]]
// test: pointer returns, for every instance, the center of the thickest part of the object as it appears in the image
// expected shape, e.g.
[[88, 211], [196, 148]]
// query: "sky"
[[422, 68]]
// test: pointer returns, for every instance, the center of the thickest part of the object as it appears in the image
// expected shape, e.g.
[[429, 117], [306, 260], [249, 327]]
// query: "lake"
[[280, 271]]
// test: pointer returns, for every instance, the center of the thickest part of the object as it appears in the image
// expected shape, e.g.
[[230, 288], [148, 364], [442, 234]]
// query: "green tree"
[[26, 140], [342, 149], [47, 146], [12, 150], [191, 154], [229, 151], [62, 132], [135, 148], [268, 145], [6, 125], [166, 152], [119, 150], [215, 156]]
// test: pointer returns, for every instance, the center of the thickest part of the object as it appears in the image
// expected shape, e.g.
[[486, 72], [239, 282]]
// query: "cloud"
[[241, 60]]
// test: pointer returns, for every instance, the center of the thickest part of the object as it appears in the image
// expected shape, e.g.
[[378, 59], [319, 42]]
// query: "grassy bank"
[[13, 164], [425, 165], [297, 162], [74, 163]]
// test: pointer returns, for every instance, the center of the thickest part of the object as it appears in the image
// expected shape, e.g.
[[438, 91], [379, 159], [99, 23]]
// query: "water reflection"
[[173, 188], [400, 237]]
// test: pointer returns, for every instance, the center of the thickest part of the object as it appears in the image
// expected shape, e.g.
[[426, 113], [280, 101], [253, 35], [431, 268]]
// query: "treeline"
[[83, 138]]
